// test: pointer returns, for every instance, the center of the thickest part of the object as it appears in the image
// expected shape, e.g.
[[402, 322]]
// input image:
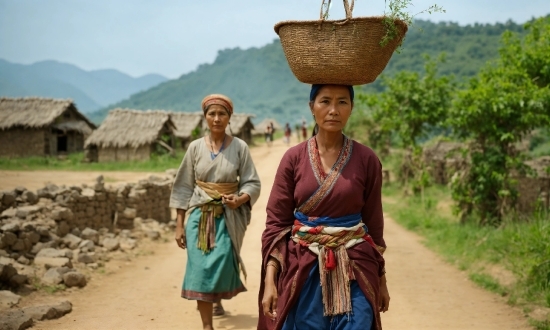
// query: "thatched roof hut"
[[188, 126], [259, 128], [131, 135], [40, 126], [443, 159]]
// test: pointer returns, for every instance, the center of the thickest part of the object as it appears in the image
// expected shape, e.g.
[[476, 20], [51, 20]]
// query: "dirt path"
[[144, 294]]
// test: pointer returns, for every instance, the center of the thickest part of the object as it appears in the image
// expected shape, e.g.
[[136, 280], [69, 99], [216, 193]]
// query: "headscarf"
[[317, 87], [218, 99]]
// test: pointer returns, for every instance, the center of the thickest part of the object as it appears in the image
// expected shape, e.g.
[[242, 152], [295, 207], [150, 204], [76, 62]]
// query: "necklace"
[[212, 154]]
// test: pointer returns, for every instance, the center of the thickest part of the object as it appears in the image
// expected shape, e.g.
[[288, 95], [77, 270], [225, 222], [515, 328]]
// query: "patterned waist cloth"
[[330, 243], [206, 238]]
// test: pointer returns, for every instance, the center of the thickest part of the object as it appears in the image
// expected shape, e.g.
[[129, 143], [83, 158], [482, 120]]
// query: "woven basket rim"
[[339, 22]]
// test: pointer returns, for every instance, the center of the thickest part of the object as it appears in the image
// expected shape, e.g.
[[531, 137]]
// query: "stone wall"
[[28, 218], [21, 142]]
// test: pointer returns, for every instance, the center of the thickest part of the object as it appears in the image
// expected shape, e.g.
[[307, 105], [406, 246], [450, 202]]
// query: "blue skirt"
[[307, 313]]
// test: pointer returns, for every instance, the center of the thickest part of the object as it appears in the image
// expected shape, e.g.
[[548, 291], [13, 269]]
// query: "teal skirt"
[[214, 275]]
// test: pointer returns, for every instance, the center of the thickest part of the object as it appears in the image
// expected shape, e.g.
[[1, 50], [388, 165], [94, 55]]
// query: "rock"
[[62, 228], [9, 238], [19, 245], [86, 245], [153, 234], [7, 271], [4, 253], [171, 172], [76, 232], [86, 258], [11, 227], [128, 244], [8, 298], [72, 279], [24, 211], [18, 280], [8, 198], [88, 192], [19, 190], [44, 193], [48, 312], [54, 275], [29, 197], [90, 234], [129, 213], [24, 261], [55, 253], [53, 262], [9, 213], [15, 320], [93, 265], [71, 241], [111, 244]]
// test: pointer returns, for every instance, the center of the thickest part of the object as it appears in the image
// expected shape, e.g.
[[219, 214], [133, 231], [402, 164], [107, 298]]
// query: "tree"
[[508, 100]]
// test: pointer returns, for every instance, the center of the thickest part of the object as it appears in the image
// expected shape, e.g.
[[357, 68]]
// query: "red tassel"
[[330, 262]]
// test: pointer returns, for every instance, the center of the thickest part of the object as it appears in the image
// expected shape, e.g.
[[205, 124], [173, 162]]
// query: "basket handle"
[[347, 7]]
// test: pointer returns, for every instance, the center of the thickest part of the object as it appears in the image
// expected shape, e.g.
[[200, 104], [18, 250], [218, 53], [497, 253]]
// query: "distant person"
[[288, 133], [304, 130], [215, 188], [272, 128], [268, 135], [297, 130]]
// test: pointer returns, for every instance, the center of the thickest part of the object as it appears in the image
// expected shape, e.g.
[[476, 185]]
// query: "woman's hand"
[[269, 300], [234, 201], [180, 231], [180, 237], [384, 298]]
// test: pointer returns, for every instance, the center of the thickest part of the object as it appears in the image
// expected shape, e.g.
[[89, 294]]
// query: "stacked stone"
[[150, 199]]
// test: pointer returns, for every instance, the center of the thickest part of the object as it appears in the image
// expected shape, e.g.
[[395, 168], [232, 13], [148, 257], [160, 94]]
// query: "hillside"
[[260, 82], [91, 90]]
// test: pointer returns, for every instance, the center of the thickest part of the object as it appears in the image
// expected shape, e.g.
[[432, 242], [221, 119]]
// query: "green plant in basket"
[[398, 11]]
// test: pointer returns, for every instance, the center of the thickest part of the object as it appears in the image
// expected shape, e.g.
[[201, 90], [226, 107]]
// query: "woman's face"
[[332, 107], [217, 118]]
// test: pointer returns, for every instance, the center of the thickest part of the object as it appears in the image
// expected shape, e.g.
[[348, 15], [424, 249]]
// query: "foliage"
[[497, 110], [520, 248], [411, 106], [260, 82]]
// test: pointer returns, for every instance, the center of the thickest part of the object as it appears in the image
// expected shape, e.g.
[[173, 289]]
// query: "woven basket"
[[342, 52]]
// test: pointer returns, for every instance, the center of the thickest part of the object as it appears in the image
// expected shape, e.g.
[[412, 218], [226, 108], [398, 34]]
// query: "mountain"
[[91, 90], [260, 82]]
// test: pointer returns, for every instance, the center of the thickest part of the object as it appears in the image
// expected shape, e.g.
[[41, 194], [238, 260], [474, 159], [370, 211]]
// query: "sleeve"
[[280, 211], [184, 184], [249, 181], [372, 212]]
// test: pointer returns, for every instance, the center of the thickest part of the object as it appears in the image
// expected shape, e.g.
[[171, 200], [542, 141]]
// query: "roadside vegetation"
[[76, 162], [500, 119]]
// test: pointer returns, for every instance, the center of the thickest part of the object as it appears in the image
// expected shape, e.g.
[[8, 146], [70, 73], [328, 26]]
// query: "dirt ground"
[[144, 293]]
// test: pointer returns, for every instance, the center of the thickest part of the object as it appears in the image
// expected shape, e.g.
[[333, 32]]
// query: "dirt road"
[[426, 292]]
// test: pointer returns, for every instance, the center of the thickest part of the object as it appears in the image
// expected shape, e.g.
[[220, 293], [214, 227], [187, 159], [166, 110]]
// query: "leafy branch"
[[398, 11]]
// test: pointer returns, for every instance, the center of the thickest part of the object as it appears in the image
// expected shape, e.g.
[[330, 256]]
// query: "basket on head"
[[343, 52]]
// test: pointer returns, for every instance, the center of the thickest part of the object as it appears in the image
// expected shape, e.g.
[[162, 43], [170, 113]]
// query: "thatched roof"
[[261, 126], [186, 122], [35, 112], [133, 128]]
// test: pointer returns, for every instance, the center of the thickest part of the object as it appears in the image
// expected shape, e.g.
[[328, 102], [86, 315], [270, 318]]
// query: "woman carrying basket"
[[322, 247], [215, 188]]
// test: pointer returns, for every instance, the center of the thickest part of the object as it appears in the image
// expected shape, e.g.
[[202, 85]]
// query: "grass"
[[75, 162], [520, 249], [51, 289]]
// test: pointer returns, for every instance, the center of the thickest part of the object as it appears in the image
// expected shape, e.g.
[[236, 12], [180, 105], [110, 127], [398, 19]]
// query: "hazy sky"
[[172, 37]]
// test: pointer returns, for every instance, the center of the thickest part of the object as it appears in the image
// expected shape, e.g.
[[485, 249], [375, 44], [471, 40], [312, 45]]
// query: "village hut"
[[259, 129], [41, 127], [188, 126], [127, 135], [240, 125]]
